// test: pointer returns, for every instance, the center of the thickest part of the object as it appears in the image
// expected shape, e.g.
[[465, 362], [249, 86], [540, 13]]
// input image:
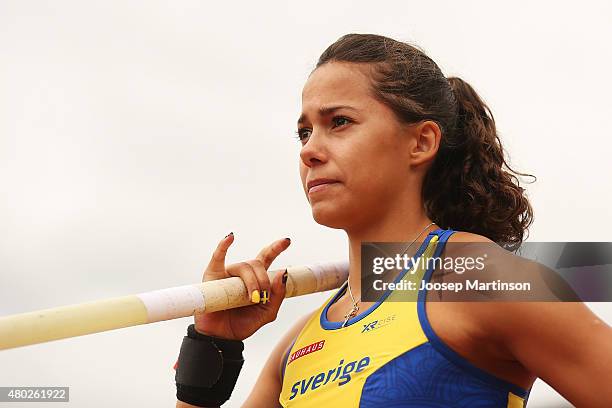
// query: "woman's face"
[[361, 146]]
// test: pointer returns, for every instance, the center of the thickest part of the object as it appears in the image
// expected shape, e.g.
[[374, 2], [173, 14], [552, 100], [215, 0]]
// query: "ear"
[[425, 142]]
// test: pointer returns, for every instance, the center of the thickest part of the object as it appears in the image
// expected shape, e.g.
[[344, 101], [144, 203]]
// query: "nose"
[[313, 151]]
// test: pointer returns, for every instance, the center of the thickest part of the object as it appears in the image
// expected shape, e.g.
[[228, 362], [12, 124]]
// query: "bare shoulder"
[[512, 319]]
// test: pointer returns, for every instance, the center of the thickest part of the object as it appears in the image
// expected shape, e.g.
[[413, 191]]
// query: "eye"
[[300, 134], [341, 118], [303, 132]]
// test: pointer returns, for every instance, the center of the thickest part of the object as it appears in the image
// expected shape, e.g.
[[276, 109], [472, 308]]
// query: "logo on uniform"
[[377, 324], [340, 375], [311, 348]]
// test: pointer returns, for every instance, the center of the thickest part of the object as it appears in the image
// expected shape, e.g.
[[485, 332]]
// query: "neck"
[[402, 228]]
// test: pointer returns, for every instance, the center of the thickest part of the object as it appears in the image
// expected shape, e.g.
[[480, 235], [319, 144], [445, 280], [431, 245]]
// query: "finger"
[[262, 278], [279, 289], [217, 261], [248, 276], [268, 254]]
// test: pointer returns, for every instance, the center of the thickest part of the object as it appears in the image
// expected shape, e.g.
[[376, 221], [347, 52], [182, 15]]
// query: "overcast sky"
[[136, 134]]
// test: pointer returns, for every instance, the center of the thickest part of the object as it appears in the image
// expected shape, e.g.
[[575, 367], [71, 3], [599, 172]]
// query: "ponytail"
[[467, 187]]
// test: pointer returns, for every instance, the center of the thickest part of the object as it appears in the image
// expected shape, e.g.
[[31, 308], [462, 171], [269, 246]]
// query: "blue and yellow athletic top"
[[387, 356]]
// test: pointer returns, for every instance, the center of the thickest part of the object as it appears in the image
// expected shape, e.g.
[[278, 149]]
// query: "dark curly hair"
[[466, 188]]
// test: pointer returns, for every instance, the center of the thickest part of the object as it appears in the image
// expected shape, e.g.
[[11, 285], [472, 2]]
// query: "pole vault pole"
[[172, 303]]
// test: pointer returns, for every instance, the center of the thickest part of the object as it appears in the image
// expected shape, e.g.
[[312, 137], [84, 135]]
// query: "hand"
[[240, 323]]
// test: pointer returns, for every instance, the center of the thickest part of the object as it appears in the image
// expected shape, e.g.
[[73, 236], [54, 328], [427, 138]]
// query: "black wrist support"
[[208, 368]]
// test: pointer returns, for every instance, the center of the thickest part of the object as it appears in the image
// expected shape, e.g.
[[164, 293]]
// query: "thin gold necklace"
[[355, 307]]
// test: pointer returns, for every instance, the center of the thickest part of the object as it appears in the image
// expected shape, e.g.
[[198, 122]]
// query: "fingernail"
[[288, 239], [285, 277], [264, 297], [231, 233], [255, 296]]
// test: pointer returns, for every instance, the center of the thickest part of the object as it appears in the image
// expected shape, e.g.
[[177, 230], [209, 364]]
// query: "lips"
[[318, 182]]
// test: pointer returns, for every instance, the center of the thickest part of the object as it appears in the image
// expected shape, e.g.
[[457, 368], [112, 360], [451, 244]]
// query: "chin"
[[330, 215]]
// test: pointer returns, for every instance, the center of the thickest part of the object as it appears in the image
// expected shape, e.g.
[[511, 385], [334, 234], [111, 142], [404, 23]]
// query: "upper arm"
[[267, 388], [563, 343]]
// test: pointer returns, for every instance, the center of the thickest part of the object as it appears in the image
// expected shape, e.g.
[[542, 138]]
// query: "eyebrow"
[[326, 110]]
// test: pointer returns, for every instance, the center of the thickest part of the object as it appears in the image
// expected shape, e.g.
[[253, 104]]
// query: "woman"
[[394, 151]]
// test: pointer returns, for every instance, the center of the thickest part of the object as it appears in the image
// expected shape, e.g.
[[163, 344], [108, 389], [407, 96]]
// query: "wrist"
[[207, 369], [231, 349], [205, 332]]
